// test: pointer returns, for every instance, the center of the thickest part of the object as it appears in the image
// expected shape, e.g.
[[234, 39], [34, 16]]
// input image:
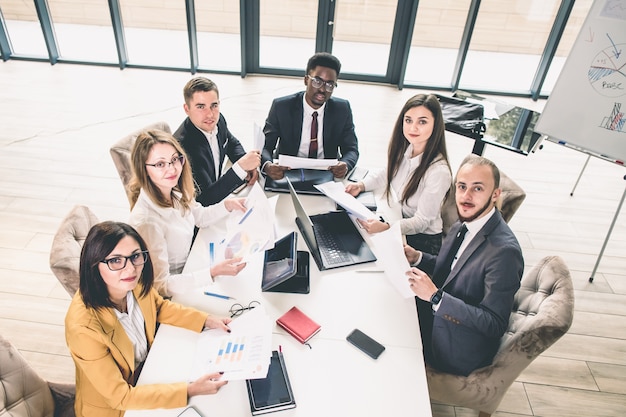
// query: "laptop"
[[303, 181], [332, 238]]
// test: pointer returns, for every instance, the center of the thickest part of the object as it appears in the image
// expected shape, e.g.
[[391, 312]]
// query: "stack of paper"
[[244, 353]]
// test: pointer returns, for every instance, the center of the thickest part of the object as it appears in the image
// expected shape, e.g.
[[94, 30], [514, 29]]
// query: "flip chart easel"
[[586, 110]]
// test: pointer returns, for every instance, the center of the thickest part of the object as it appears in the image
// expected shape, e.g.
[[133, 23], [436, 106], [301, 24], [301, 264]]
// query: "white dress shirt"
[[211, 137], [307, 119], [134, 325], [168, 232], [422, 211]]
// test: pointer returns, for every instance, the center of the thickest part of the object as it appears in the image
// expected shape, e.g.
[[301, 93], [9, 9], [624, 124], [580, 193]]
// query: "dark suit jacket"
[[284, 125], [478, 298], [197, 147]]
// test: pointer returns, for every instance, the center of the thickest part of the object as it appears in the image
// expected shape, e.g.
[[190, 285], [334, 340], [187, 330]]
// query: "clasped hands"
[[419, 281], [250, 163], [277, 172]]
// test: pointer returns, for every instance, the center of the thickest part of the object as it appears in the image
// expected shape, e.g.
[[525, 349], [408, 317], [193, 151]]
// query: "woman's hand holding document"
[[336, 191], [389, 251]]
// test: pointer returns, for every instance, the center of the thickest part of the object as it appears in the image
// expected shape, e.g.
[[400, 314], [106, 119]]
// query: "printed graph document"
[[389, 251], [295, 162], [244, 353], [249, 232], [337, 192]]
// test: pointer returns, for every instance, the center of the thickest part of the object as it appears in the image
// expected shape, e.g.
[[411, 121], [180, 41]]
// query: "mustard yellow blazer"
[[105, 360]]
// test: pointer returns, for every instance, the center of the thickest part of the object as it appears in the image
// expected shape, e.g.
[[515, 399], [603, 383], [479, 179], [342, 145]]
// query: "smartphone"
[[190, 412], [365, 343], [357, 174]]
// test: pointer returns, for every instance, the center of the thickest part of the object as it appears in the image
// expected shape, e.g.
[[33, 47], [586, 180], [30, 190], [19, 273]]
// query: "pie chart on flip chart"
[[607, 72]]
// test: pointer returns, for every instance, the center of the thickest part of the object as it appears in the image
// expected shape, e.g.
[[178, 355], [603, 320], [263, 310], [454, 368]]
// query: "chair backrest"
[[22, 391], [543, 311], [120, 153], [67, 244], [510, 200]]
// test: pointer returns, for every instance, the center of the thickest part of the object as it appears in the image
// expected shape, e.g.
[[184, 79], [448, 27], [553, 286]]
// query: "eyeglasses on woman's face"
[[162, 165], [118, 263]]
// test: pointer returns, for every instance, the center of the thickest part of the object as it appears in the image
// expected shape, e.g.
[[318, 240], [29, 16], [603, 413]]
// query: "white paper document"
[[244, 353], [337, 192], [295, 162], [389, 250], [249, 232], [258, 137]]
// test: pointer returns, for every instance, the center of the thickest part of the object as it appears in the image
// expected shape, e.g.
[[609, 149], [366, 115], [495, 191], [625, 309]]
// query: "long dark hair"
[[435, 147], [100, 242]]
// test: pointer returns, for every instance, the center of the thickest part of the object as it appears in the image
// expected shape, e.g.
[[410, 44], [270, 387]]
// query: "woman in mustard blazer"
[[111, 324]]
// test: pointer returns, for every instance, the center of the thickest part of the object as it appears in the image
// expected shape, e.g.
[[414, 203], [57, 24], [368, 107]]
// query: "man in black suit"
[[311, 123], [207, 141], [464, 311]]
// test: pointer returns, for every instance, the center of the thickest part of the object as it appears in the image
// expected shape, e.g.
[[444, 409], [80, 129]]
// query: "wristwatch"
[[436, 297]]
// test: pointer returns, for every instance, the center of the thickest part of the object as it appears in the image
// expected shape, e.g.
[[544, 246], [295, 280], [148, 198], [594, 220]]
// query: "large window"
[[219, 43], [507, 43], [362, 35], [23, 28], [436, 38], [90, 40], [287, 37]]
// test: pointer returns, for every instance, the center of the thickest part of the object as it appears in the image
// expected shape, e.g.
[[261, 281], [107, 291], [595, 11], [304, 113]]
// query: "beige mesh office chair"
[[67, 244], [24, 393], [511, 199], [542, 312], [120, 153]]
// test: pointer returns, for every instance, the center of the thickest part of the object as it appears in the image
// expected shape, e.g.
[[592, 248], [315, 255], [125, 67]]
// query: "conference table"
[[331, 377]]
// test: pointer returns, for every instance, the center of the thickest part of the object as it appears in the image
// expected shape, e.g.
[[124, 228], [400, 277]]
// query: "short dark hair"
[[198, 84], [323, 59], [476, 160], [100, 242]]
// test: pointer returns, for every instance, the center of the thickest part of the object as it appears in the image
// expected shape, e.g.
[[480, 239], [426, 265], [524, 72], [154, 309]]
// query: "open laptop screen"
[[305, 221]]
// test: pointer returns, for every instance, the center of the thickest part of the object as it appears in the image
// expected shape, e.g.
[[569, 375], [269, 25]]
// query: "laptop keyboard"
[[329, 249]]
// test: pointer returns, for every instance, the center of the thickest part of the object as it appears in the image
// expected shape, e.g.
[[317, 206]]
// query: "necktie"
[[313, 144], [444, 271]]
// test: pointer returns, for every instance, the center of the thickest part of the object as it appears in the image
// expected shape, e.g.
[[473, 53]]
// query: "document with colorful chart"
[[244, 353]]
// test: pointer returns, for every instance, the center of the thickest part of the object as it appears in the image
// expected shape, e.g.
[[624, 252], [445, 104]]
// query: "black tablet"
[[273, 392], [281, 262]]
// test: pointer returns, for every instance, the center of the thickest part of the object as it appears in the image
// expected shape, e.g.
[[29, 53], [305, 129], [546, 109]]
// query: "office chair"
[[510, 200], [542, 312], [24, 393], [67, 244], [120, 153]]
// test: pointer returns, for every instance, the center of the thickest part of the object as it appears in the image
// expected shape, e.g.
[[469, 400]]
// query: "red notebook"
[[298, 324]]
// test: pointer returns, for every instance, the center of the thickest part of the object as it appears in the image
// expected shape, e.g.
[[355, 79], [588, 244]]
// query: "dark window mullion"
[[472, 15], [118, 31], [551, 45], [192, 34], [43, 13], [5, 41]]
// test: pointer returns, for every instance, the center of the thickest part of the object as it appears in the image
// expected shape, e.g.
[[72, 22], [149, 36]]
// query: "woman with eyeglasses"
[[164, 211], [111, 323], [418, 174]]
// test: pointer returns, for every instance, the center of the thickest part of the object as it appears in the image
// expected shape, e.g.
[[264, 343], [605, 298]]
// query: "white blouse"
[[422, 211], [168, 233]]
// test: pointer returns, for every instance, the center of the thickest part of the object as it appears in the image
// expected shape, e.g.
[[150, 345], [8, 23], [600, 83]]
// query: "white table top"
[[331, 378]]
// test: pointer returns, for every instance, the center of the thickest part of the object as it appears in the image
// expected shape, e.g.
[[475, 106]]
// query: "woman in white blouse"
[[418, 173], [164, 211]]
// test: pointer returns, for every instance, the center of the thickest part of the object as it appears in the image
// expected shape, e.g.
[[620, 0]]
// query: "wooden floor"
[[58, 122]]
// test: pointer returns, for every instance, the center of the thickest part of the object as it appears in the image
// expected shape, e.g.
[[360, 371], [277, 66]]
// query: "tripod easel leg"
[[606, 240], [580, 175]]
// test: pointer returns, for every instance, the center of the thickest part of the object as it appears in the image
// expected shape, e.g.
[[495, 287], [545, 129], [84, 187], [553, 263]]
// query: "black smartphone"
[[365, 343]]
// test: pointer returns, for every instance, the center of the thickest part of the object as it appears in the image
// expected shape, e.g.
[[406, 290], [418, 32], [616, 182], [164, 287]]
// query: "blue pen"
[[245, 216], [212, 294], [212, 251]]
